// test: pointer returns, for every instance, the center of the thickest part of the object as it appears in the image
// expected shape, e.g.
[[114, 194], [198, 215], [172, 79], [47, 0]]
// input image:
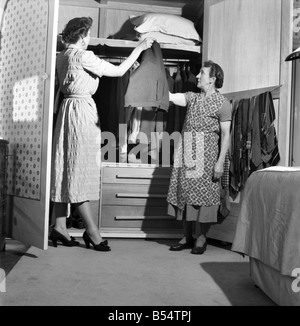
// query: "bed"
[[268, 231]]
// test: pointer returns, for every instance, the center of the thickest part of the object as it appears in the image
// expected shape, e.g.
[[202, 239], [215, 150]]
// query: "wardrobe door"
[[28, 49], [295, 159], [250, 40]]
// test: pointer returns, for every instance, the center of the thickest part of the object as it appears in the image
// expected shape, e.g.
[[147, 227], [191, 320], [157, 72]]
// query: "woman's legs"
[[203, 230], [187, 231], [84, 210], [187, 241], [60, 213]]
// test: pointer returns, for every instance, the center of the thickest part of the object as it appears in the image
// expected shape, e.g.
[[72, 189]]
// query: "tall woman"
[[76, 145]]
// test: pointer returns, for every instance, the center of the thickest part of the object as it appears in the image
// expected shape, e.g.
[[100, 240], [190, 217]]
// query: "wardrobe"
[[249, 39]]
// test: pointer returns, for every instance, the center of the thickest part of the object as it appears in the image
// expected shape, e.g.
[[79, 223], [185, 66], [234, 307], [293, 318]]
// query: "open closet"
[[134, 192], [135, 173], [249, 39]]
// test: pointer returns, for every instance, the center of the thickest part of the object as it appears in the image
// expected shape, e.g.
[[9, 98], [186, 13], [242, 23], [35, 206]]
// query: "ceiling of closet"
[[191, 9], [111, 22]]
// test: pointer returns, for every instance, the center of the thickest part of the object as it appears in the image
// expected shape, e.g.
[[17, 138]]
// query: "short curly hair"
[[215, 71], [75, 29]]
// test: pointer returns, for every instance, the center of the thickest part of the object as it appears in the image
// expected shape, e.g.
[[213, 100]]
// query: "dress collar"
[[73, 46]]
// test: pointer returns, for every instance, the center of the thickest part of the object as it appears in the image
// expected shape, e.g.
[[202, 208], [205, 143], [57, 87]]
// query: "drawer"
[[134, 194], [137, 175], [137, 217]]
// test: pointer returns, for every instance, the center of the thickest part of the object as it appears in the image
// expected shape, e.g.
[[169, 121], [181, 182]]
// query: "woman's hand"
[[146, 43], [218, 171]]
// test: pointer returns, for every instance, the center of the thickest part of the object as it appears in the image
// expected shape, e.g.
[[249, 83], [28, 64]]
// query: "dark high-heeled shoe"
[[56, 236], [102, 246]]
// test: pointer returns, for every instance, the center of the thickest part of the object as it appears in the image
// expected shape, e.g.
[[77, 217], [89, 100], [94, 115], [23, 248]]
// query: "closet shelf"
[[116, 43], [119, 47], [122, 48]]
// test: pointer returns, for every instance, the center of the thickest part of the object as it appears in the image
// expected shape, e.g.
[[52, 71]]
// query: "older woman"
[[194, 190], [75, 165]]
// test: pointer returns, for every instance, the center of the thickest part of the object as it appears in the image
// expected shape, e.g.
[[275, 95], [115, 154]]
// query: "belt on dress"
[[78, 96]]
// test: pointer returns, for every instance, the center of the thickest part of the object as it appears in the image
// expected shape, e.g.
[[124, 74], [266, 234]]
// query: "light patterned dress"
[[77, 137], [191, 184]]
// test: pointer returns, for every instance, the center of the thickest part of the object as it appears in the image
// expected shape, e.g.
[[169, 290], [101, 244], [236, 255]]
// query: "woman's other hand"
[[218, 171]]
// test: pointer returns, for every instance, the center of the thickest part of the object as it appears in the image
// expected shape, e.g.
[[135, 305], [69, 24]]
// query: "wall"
[[252, 50]]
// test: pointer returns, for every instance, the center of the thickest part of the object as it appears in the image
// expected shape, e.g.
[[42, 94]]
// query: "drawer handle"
[[120, 176], [123, 195], [130, 218]]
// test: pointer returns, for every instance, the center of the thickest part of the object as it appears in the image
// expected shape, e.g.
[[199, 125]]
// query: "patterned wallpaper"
[[22, 65]]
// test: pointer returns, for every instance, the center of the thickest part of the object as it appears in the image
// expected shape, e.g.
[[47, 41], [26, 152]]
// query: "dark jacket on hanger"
[[254, 143], [148, 85], [268, 145]]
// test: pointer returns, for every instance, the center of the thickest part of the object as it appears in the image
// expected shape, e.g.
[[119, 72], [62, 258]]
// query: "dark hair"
[[76, 28], [215, 71]]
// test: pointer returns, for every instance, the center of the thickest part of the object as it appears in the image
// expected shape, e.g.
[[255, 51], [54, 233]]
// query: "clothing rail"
[[176, 60], [167, 62], [275, 90]]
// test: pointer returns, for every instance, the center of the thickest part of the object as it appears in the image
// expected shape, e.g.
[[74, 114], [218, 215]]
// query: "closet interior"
[[136, 151], [135, 173]]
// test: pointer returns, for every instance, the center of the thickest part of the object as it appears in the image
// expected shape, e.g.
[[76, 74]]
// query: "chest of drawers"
[[133, 202]]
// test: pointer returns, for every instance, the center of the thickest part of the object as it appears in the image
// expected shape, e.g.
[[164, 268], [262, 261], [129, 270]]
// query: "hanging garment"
[[170, 123], [269, 144], [183, 75], [135, 124], [146, 136], [110, 101], [235, 166], [170, 80], [148, 85], [190, 85], [249, 146], [124, 130], [254, 141], [178, 88], [224, 208], [160, 127], [245, 107], [150, 124]]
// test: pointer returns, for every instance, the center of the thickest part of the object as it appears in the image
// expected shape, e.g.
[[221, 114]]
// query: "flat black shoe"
[[180, 246], [199, 250]]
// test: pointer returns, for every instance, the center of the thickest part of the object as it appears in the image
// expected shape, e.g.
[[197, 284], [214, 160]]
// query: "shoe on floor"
[[179, 246], [199, 250]]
